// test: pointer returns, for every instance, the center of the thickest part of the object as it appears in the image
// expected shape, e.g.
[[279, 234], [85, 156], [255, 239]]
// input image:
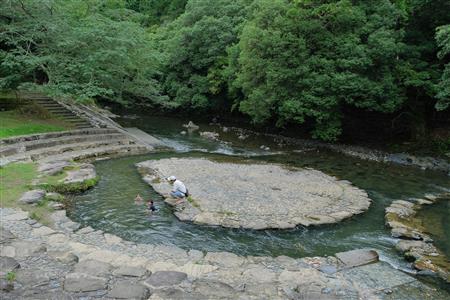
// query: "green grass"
[[16, 179], [13, 123]]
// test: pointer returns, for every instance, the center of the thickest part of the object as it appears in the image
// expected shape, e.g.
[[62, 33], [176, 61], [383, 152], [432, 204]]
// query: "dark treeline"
[[320, 65]]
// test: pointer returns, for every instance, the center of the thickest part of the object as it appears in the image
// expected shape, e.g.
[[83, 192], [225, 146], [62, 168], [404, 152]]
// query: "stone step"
[[49, 135], [41, 153], [121, 150], [52, 151], [33, 145]]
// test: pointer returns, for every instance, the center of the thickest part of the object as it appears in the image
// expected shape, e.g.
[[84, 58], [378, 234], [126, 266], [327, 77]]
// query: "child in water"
[[151, 206]]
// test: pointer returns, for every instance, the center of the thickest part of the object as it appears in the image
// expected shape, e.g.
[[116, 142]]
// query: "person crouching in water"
[[179, 190]]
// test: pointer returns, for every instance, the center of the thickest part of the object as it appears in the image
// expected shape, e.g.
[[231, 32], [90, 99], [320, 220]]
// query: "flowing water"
[[110, 205]]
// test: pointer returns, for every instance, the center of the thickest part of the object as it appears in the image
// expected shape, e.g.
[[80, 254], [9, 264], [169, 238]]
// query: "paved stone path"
[[256, 196], [61, 263]]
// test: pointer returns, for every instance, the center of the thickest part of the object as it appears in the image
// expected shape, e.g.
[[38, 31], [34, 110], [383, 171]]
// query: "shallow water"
[[110, 205]]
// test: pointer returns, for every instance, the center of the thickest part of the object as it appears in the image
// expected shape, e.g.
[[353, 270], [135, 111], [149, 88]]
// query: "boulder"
[[210, 135], [357, 257], [32, 197]]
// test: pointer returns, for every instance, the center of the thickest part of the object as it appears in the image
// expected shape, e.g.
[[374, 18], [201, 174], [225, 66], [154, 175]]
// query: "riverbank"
[[85, 263]]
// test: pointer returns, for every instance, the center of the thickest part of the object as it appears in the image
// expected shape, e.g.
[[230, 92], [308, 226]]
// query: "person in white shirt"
[[179, 190]]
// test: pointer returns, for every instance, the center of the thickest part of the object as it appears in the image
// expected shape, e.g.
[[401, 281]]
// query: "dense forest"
[[316, 65]]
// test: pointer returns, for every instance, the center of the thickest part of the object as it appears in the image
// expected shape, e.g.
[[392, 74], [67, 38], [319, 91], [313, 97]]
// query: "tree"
[[78, 50], [305, 61], [443, 40], [195, 52]]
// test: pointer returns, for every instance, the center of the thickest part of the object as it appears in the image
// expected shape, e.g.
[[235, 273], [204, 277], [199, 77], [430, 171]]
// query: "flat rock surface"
[[255, 196], [128, 290]]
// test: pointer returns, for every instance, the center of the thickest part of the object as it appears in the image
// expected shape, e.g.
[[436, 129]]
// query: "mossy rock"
[[67, 188]]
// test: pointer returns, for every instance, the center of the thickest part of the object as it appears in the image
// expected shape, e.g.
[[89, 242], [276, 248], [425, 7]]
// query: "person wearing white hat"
[[179, 190]]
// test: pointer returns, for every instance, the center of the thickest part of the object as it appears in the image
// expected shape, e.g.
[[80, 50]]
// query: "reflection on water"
[[110, 206]]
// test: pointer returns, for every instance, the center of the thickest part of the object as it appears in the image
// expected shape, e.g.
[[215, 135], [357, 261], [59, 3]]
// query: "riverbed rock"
[[32, 197], [83, 173], [78, 282], [128, 290], [130, 271], [191, 126], [165, 278], [357, 257], [93, 267], [256, 196], [210, 135], [8, 264]]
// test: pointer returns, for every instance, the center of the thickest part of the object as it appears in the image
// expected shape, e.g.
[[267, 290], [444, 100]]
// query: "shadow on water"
[[110, 205]]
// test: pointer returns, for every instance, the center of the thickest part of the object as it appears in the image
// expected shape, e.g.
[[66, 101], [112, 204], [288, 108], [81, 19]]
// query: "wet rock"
[[128, 290], [112, 239], [191, 125], [77, 282], [165, 278], [93, 267], [86, 230], [130, 271], [210, 135], [32, 197], [8, 264], [358, 257]]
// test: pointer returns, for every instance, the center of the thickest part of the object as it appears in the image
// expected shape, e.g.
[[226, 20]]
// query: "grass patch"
[[12, 123], [64, 188], [193, 202], [16, 179]]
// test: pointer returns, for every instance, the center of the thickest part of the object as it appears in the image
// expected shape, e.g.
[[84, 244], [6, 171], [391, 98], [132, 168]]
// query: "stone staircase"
[[54, 108], [69, 145]]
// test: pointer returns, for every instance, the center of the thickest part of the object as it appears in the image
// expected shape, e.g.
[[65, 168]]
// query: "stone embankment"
[[413, 240], [255, 196], [69, 145], [66, 262]]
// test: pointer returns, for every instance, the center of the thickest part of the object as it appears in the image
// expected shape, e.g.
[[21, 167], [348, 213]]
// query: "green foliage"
[[195, 48], [80, 50], [443, 39], [10, 276], [306, 61], [66, 188], [14, 181]]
